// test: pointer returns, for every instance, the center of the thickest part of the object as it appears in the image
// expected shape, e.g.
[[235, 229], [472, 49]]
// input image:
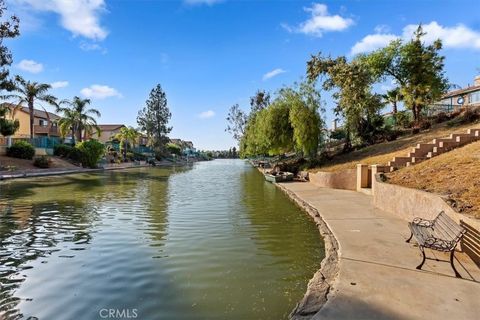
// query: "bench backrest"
[[446, 228]]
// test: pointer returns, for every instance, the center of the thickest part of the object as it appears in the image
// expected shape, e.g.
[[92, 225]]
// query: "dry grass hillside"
[[14, 164], [454, 175], [383, 152]]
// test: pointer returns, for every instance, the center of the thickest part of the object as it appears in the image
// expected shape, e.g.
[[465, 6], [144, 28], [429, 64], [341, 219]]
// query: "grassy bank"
[[383, 152]]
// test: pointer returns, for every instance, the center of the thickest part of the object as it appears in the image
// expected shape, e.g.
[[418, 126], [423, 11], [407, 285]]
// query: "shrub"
[[174, 149], [139, 156], [424, 124], [130, 156], [62, 150], [91, 152], [468, 116], [75, 155], [404, 119], [42, 162], [21, 149], [441, 117], [338, 134]]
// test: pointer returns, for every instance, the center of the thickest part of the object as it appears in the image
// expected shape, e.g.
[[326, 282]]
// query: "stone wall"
[[346, 179]]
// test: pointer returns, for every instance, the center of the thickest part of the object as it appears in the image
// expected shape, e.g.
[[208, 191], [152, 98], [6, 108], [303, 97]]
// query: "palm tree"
[[393, 97], [127, 137], [28, 92], [78, 118]]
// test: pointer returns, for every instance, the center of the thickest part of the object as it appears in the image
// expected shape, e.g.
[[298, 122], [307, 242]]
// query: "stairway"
[[425, 151]]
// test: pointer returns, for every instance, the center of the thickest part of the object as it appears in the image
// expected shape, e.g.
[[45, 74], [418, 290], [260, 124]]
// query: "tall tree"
[[27, 92], [418, 69], [236, 122], [8, 29], [153, 118], [259, 101], [352, 84], [78, 118]]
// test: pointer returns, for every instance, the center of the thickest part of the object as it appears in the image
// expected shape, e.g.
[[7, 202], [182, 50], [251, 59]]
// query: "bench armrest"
[[423, 222], [439, 244]]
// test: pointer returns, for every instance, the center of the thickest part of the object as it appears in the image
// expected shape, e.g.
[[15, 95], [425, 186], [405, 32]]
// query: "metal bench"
[[441, 233]]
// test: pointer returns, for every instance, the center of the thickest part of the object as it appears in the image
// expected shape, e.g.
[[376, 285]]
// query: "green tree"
[[78, 118], [259, 101], [352, 85], [236, 122], [153, 118], [174, 149], [127, 137], [27, 93], [7, 127], [393, 97], [8, 29], [416, 67], [91, 152]]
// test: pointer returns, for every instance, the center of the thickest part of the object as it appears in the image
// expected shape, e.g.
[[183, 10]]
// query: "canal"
[[213, 241]]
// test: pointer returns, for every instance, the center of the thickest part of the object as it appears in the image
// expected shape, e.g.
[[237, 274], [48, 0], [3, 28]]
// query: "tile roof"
[[461, 91], [36, 112], [110, 127]]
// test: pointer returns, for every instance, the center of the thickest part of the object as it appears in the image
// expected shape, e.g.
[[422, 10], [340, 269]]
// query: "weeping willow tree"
[[291, 122]]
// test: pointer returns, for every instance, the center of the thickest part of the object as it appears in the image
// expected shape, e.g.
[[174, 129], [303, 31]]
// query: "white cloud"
[[459, 36], [273, 73], [372, 42], [206, 114], [200, 2], [100, 92], [320, 22], [30, 66], [81, 17], [59, 84]]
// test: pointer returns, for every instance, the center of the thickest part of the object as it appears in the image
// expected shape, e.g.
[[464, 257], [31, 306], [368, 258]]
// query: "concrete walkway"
[[377, 278]]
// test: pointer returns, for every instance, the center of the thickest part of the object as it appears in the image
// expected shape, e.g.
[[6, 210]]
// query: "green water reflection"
[[211, 242]]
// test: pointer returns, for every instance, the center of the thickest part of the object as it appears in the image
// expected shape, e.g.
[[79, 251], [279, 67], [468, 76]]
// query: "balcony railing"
[[45, 130]]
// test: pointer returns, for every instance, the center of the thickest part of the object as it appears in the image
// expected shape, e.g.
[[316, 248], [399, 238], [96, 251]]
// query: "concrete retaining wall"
[[346, 179], [409, 203]]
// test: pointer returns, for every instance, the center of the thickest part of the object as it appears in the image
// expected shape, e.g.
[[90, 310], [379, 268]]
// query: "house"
[[45, 123], [107, 132], [184, 145], [459, 99]]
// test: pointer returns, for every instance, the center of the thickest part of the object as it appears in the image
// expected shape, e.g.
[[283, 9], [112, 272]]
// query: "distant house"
[[107, 132], [45, 123], [459, 99], [186, 146]]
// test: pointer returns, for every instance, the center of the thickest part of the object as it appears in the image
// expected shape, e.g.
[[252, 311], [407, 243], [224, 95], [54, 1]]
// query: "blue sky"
[[211, 54]]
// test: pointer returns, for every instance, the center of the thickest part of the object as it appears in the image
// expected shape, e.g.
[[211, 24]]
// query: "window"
[[43, 122], [474, 97]]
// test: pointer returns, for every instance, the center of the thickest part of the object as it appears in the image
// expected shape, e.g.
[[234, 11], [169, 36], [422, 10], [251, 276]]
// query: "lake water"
[[209, 242]]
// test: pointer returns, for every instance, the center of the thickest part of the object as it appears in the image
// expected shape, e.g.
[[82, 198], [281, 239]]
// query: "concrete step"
[[421, 151], [425, 151], [399, 161], [474, 132], [447, 145]]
